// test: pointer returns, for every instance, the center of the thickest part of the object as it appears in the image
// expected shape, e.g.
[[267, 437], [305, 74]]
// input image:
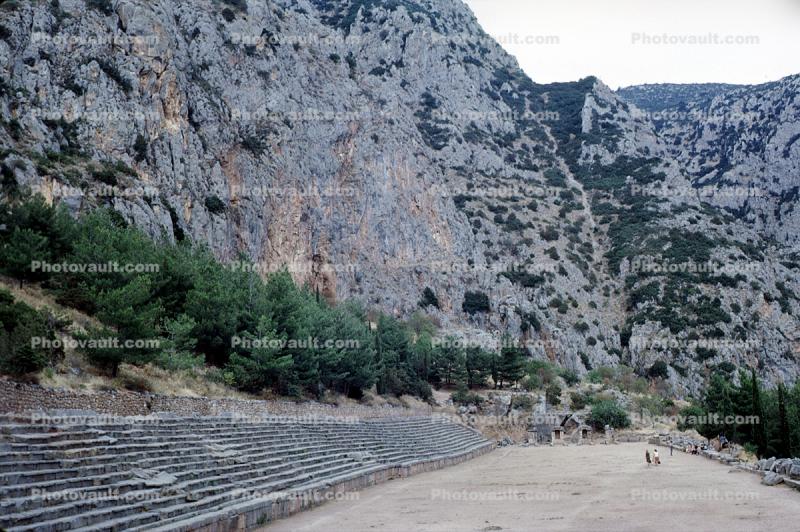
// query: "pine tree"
[[450, 363], [19, 253], [129, 316], [178, 347], [214, 302], [262, 363], [511, 364], [380, 364], [478, 366], [347, 364], [19, 325]]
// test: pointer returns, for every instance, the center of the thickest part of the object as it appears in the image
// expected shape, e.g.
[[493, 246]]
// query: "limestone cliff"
[[380, 148]]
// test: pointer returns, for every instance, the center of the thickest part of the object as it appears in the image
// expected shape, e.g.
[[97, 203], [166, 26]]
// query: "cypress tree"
[[784, 446], [759, 429]]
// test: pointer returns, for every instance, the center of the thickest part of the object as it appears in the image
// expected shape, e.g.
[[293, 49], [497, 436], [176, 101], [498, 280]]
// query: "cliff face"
[[379, 148], [739, 145], [706, 289]]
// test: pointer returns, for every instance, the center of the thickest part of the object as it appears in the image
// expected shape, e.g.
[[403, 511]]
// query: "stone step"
[[76, 481], [165, 504], [173, 523], [151, 448], [275, 470], [85, 470], [187, 426]]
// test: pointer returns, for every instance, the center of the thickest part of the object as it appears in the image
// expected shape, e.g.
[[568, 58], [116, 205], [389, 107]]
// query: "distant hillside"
[[660, 96]]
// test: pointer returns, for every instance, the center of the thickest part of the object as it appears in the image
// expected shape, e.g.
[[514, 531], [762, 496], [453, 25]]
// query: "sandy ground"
[[588, 488]]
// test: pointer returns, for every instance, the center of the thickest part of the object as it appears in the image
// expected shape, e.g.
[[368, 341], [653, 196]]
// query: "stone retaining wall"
[[27, 398]]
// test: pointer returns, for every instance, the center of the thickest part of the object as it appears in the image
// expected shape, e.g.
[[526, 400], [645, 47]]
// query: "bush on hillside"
[[553, 394], [475, 302], [569, 376], [658, 370], [608, 412], [578, 400], [428, 299], [462, 396]]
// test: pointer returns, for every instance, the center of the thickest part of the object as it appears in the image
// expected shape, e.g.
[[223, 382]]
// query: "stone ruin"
[[558, 428], [172, 472], [779, 470]]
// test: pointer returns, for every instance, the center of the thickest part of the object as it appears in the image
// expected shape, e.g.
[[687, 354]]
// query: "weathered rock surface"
[[377, 149], [772, 479]]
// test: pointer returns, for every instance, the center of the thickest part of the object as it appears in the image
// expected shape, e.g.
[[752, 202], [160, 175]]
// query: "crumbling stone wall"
[[27, 398]]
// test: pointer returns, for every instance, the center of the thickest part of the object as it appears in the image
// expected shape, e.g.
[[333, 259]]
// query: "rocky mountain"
[[379, 149], [740, 147], [668, 96]]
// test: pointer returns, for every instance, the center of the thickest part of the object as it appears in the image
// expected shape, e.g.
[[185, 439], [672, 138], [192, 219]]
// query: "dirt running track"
[[588, 488]]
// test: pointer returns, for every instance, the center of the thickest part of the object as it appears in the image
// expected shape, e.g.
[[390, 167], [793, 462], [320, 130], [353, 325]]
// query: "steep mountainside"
[[381, 148], [704, 290], [740, 148]]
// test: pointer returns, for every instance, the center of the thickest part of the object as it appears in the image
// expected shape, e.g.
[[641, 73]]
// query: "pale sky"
[[622, 41]]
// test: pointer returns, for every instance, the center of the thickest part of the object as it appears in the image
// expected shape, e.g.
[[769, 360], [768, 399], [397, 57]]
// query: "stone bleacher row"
[[190, 473]]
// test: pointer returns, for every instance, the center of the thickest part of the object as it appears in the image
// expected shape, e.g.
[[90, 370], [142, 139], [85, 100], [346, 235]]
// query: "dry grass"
[[80, 375], [34, 296], [74, 372]]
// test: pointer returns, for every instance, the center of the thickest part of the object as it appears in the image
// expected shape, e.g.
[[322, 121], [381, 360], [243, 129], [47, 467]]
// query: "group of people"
[[692, 449], [656, 459]]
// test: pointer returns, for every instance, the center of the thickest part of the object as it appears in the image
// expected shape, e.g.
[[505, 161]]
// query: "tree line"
[[766, 422], [186, 309]]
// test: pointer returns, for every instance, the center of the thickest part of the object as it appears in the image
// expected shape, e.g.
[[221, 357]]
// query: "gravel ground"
[[599, 487]]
